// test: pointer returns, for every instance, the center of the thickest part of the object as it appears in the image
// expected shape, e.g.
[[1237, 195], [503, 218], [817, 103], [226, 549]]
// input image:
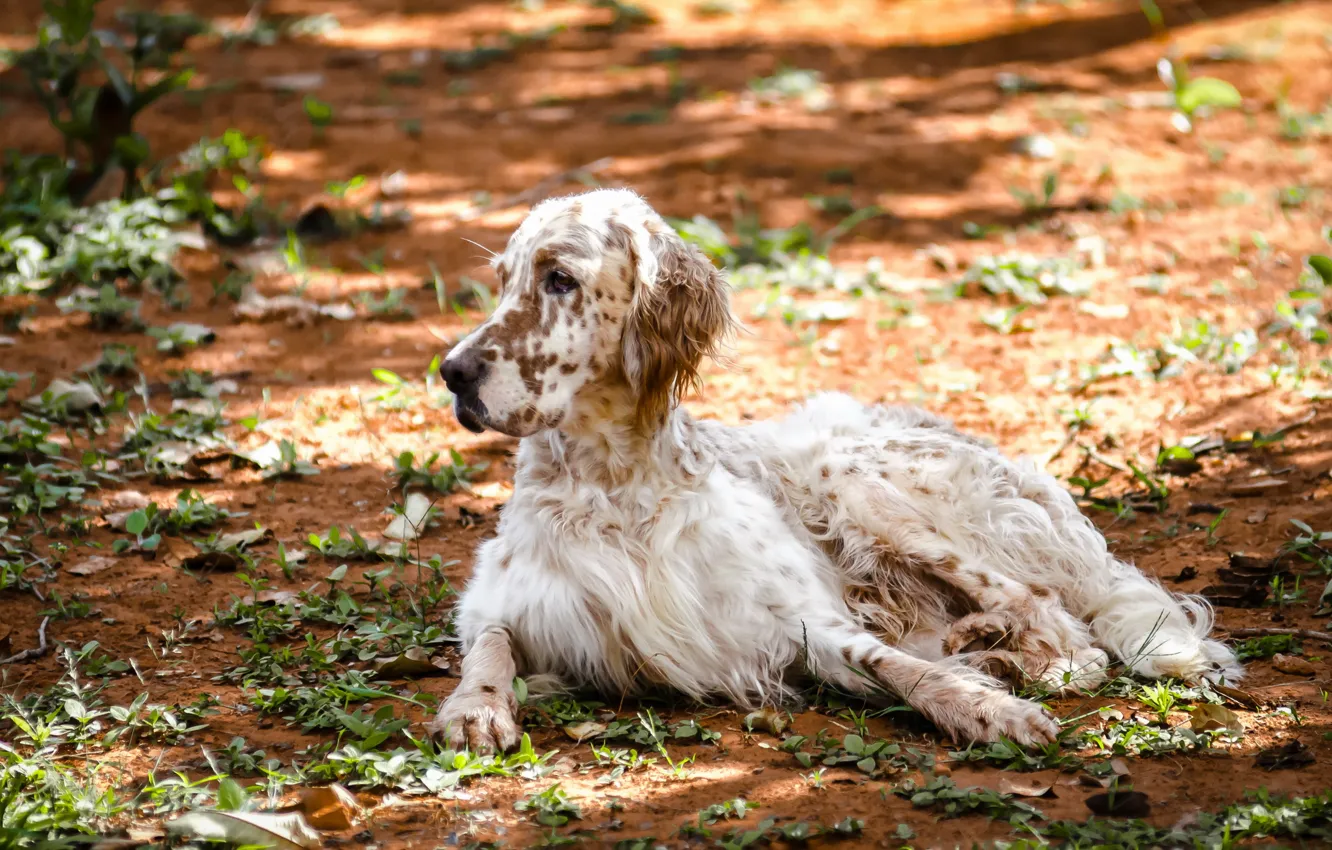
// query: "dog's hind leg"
[[1052, 646]]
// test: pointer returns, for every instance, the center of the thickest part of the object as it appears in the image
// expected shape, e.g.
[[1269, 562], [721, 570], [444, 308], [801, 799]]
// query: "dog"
[[872, 547]]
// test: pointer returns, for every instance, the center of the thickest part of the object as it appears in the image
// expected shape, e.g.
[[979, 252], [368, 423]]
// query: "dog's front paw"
[[984, 715], [482, 720]]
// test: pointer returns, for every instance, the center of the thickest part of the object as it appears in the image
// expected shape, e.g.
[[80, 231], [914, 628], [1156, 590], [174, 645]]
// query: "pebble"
[[1035, 147]]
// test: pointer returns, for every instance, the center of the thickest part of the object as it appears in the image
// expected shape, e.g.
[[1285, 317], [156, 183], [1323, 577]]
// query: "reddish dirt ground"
[[917, 119]]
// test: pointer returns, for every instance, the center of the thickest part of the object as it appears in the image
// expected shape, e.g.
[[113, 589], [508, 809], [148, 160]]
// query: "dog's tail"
[[1156, 633]]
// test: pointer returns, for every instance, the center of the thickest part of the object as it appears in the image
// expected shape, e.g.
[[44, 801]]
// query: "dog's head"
[[597, 292]]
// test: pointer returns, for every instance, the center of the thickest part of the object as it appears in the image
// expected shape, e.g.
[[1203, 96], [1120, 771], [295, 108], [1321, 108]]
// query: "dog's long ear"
[[679, 315]]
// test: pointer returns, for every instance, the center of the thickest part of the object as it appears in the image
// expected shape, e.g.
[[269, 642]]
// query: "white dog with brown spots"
[[873, 547]]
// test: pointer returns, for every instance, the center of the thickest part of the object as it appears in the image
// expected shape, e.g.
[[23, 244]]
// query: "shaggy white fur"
[[873, 547]]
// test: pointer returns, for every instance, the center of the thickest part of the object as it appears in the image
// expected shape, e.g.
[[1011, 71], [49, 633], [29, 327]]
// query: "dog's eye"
[[560, 282]]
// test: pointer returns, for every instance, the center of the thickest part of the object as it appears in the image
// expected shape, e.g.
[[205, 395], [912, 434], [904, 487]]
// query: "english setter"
[[873, 547]]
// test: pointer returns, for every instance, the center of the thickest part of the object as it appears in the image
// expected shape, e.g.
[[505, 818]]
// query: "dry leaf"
[[127, 500], [409, 524], [1027, 784], [1120, 804], [240, 539], [1257, 487], [77, 396], [272, 597], [768, 720], [263, 457], [212, 562], [1243, 699], [300, 81], [332, 807], [294, 310], [414, 663], [1289, 755], [1293, 664], [580, 732], [92, 566], [1215, 718], [260, 829]]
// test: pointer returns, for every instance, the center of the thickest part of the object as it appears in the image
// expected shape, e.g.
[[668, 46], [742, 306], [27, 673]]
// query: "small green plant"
[[442, 477], [1194, 96], [1040, 200], [289, 463], [105, 307], [1265, 646], [551, 807], [391, 306], [93, 83], [942, 794], [180, 337], [319, 113]]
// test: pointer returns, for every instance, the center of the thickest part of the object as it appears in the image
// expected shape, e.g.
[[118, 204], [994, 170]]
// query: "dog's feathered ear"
[[680, 314]]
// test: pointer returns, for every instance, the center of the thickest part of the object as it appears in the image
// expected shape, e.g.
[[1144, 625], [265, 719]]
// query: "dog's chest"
[[699, 590]]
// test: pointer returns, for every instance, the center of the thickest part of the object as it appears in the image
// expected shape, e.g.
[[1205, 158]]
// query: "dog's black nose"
[[462, 374]]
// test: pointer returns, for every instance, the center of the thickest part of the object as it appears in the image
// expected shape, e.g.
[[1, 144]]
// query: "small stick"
[[31, 654], [1105, 461], [1307, 634]]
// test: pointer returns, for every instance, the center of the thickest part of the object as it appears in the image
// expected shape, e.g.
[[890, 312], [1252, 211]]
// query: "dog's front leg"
[[482, 712]]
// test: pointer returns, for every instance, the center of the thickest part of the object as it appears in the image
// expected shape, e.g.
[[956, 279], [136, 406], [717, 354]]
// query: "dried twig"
[[34, 653], [1307, 634], [1105, 461]]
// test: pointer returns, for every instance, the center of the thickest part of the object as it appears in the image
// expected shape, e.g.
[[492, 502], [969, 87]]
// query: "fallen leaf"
[[263, 457], [1257, 487], [409, 524], [294, 310], [768, 720], [414, 663], [191, 333], [580, 732], [1256, 517], [1208, 717], [260, 829], [272, 597], [1105, 311], [92, 566], [1120, 767], [78, 396], [1293, 664], [188, 457], [298, 82], [1186, 574], [1027, 784], [1244, 699], [1120, 804], [240, 539], [212, 562], [127, 500], [1236, 595], [1292, 754], [331, 807], [498, 490]]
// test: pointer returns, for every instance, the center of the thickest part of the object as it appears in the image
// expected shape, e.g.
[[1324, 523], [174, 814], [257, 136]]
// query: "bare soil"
[[918, 121]]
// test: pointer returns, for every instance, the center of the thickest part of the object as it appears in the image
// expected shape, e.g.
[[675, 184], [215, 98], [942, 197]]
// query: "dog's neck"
[[602, 443]]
